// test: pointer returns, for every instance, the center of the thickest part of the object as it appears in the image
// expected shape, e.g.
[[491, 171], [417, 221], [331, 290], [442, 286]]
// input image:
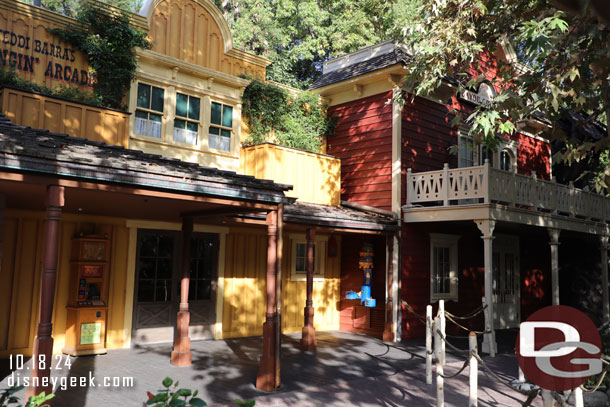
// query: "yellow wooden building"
[[185, 104]]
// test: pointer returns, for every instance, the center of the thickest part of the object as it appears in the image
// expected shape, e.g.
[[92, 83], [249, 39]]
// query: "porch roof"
[[40, 152], [336, 217]]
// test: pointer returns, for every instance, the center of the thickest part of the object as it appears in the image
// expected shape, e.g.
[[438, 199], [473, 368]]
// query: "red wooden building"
[[477, 223]]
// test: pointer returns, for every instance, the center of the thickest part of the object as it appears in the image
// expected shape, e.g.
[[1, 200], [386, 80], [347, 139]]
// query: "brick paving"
[[347, 370]]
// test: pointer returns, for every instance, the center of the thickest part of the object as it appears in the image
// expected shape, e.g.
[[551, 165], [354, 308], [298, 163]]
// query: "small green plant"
[[170, 396], [273, 115], [246, 403], [7, 396], [110, 42], [10, 78]]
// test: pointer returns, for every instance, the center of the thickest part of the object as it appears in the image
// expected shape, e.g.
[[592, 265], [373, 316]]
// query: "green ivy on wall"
[[273, 115], [110, 42]]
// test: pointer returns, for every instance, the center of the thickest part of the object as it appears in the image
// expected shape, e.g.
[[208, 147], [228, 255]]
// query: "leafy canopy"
[[110, 43], [274, 115], [563, 53], [299, 35]]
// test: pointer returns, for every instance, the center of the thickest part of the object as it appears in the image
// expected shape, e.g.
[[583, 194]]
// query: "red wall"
[[534, 273], [363, 141], [533, 155]]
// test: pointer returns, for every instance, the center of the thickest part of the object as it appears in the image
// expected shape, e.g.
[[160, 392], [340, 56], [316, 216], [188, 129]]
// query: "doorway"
[[506, 282], [157, 285]]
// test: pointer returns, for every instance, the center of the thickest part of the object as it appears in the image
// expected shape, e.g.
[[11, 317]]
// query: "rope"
[[412, 311], [599, 382], [463, 327], [466, 363], [456, 349], [501, 380], [471, 314]]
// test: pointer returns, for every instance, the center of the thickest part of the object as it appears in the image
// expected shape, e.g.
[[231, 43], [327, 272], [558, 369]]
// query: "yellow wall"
[[244, 288], [20, 278], [31, 23], [61, 116], [316, 178], [187, 30]]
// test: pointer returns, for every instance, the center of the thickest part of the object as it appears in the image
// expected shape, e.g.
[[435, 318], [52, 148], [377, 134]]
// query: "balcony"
[[483, 192]]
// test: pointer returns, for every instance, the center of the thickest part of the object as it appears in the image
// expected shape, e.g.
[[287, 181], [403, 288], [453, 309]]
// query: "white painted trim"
[[396, 151], [220, 285], [319, 259], [130, 286]]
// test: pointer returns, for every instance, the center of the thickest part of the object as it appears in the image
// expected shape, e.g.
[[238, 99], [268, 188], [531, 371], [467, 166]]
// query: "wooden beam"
[[226, 211], [43, 344], [308, 338]]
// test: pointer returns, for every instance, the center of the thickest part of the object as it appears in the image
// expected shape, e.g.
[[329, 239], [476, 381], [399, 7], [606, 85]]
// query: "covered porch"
[[495, 200]]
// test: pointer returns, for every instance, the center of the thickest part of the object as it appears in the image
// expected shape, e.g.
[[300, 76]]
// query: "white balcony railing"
[[483, 184]]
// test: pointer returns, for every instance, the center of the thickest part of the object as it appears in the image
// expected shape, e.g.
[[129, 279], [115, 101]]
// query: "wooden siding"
[[62, 116], [23, 234], [363, 142], [354, 317], [244, 288], [39, 46], [315, 177], [534, 272], [533, 155], [185, 30]]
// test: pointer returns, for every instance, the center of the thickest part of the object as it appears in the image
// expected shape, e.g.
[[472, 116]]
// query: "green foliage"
[[273, 115], [7, 396], [562, 60], [171, 396], [299, 35], [10, 78], [69, 7], [110, 42], [246, 403]]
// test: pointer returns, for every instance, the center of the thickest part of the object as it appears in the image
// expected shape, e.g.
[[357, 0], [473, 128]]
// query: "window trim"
[[221, 127], [149, 111], [451, 242], [321, 253], [197, 145]]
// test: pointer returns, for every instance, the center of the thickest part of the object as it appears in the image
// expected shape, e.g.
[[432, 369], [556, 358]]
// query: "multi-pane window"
[[221, 125], [466, 152], [441, 278], [443, 266], [505, 160], [299, 258], [203, 268], [186, 123], [155, 267], [149, 111], [487, 154]]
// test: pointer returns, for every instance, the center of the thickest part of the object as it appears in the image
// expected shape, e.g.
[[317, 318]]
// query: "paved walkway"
[[347, 370]]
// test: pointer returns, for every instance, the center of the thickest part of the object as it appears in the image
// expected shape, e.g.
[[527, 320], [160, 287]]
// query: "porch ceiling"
[[502, 213]]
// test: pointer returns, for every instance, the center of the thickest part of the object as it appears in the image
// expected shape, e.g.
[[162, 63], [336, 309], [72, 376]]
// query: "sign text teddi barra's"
[[58, 68]]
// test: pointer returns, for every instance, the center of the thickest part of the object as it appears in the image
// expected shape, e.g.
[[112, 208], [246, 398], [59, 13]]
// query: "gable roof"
[[395, 56], [41, 152]]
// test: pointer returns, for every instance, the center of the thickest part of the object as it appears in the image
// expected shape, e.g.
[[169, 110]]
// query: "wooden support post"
[[388, 331], [429, 344], [486, 226], [440, 382], [578, 398], [181, 354], [308, 340], [554, 243], [265, 379], [445, 184], [547, 398], [604, 261], [278, 294], [43, 344], [473, 399], [443, 325]]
